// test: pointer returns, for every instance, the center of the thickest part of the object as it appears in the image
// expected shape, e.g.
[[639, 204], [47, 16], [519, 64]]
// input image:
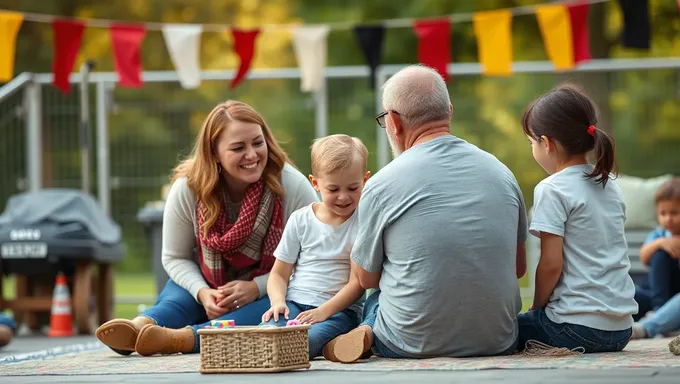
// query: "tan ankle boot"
[[121, 334], [153, 339], [6, 335]]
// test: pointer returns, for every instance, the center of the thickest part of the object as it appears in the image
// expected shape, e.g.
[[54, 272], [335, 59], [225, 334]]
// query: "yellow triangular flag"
[[494, 41], [555, 24], [10, 22]]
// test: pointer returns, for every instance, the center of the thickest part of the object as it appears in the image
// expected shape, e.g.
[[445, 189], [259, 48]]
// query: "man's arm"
[[368, 254], [367, 280]]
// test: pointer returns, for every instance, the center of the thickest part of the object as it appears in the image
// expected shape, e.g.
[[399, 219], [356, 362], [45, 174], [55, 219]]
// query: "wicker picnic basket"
[[254, 349]]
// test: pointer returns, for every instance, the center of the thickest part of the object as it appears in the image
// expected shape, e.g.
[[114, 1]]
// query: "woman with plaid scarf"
[[230, 201]]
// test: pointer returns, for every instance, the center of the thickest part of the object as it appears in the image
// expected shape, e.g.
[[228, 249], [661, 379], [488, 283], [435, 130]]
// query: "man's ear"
[[396, 123]]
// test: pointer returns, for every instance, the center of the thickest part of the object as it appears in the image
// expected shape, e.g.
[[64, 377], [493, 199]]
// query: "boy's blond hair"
[[336, 152], [670, 190]]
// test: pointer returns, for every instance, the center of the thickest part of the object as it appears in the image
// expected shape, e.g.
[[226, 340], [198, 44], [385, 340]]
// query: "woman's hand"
[[275, 311], [209, 298], [238, 294]]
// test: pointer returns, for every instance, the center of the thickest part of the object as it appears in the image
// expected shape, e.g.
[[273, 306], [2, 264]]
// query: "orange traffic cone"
[[61, 320]]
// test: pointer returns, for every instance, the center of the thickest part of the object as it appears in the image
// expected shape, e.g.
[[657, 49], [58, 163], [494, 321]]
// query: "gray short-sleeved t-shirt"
[[443, 221]]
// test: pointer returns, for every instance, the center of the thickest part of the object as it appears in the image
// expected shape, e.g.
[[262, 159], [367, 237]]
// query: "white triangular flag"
[[310, 50], [184, 42]]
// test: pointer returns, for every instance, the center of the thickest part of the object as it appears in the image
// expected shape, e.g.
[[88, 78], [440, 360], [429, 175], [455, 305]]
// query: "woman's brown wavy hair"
[[200, 169]]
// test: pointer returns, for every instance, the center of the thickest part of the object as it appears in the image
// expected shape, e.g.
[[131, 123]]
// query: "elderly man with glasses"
[[441, 234]]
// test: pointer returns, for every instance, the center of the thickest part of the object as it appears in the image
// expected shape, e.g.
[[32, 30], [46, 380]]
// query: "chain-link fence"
[[150, 129]]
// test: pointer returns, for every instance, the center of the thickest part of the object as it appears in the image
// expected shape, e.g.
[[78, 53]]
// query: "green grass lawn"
[[143, 286]]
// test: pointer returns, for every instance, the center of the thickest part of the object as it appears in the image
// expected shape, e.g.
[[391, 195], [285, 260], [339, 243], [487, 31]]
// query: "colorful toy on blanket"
[[222, 323], [292, 322]]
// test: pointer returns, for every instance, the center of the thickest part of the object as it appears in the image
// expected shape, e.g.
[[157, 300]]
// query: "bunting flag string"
[[563, 25], [387, 23]]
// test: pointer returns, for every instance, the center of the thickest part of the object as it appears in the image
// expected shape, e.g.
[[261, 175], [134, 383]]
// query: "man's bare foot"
[[351, 346]]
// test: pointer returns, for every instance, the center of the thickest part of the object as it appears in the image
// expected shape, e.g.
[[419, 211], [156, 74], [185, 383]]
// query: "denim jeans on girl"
[[535, 325], [320, 333], [176, 308]]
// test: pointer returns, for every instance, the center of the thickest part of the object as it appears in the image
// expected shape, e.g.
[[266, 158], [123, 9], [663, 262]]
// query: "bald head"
[[419, 94]]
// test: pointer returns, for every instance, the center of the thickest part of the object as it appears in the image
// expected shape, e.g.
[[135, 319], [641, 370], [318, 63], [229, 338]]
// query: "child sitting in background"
[[7, 329], [584, 294], [661, 252], [316, 243]]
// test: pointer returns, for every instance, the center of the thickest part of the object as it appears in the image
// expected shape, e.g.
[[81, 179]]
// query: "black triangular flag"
[[370, 40], [636, 26]]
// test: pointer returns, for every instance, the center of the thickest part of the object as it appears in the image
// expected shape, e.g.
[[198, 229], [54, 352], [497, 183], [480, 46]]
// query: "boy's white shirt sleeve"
[[290, 244], [551, 211]]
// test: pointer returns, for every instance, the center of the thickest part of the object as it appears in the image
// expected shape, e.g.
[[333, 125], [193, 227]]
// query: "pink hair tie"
[[591, 130]]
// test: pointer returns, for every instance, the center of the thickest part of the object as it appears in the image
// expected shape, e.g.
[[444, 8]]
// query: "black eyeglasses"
[[380, 119]]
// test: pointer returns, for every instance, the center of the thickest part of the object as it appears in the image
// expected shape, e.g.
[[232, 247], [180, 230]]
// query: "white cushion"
[[638, 195]]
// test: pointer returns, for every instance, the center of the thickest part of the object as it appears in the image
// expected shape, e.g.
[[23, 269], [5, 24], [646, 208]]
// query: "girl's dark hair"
[[565, 114]]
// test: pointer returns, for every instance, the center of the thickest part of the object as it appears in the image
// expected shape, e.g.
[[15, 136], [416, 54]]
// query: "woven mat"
[[96, 359]]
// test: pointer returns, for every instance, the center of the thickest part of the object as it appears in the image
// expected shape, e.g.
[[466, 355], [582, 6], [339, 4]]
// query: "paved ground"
[[619, 376]]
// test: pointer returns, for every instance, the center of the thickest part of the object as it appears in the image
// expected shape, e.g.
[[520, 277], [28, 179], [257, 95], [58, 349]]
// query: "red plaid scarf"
[[248, 245]]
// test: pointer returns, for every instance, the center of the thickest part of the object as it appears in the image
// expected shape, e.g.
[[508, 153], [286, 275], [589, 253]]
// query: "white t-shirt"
[[595, 289], [320, 253]]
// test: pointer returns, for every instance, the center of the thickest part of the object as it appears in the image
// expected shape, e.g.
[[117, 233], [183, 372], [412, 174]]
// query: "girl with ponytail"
[[584, 295]]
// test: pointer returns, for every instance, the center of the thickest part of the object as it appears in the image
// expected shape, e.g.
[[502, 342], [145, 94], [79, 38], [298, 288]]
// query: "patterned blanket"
[[88, 359]]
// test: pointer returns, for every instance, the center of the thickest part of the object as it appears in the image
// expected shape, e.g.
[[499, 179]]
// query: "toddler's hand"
[[312, 316], [275, 311]]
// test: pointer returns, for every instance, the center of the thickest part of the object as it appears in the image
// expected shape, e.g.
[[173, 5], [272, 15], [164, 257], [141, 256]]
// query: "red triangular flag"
[[434, 44], [126, 40], [67, 38], [244, 46], [578, 13]]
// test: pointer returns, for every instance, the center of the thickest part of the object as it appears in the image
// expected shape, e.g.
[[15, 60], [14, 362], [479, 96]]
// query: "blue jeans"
[[370, 313], [7, 321], [535, 325], [319, 334], [379, 348], [176, 308], [664, 278], [665, 320]]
